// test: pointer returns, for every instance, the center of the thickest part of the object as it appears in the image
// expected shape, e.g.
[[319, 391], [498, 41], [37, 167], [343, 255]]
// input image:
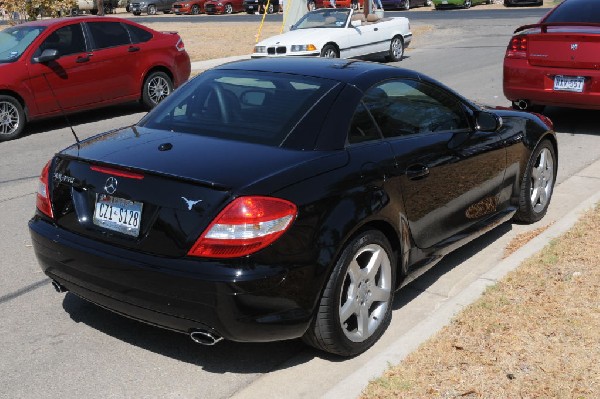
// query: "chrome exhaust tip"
[[204, 337], [522, 104], [59, 287]]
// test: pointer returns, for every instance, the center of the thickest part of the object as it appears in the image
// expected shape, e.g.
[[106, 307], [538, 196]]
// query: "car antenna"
[[62, 111]]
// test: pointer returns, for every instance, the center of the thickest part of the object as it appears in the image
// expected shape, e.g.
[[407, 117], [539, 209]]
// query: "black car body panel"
[[427, 193]]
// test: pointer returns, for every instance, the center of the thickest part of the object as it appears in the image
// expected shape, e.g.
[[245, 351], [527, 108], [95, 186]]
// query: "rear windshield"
[[14, 41], [576, 11], [248, 106]]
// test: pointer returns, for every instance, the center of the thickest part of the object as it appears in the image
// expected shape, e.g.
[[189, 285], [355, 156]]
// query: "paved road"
[[60, 346]]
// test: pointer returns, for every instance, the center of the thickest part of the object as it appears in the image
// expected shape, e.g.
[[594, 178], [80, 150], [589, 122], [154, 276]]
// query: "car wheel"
[[12, 118], [152, 9], [356, 305], [396, 49], [537, 184], [270, 9], [406, 5], [467, 4], [137, 13], [428, 3], [329, 51], [195, 9], [157, 86], [228, 8]]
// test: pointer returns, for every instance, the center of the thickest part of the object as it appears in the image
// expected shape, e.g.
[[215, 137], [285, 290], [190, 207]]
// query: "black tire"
[[12, 118], [406, 5], [137, 13], [228, 8], [151, 9], [428, 3], [396, 49], [195, 9], [348, 309], [157, 86], [330, 51], [467, 4], [538, 184]]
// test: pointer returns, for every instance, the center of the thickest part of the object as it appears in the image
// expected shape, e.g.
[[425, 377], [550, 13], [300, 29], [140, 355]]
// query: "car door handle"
[[376, 29], [133, 49], [416, 172], [83, 59]]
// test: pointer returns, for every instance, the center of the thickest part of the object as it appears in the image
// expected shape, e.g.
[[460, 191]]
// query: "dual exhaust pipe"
[[202, 337], [523, 105]]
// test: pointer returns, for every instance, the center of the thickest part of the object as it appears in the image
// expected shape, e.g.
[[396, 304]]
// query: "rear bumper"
[[523, 81], [247, 303]]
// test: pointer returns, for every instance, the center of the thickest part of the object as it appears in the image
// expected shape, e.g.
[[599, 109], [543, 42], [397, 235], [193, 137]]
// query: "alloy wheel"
[[366, 292], [158, 89], [542, 180], [9, 118]]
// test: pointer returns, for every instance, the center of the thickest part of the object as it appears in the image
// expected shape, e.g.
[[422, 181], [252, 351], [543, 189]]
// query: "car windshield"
[[15, 40], [576, 11], [248, 106], [324, 18]]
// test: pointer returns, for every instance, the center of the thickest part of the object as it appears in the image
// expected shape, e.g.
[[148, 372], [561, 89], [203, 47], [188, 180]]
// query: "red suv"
[[556, 61], [58, 66]]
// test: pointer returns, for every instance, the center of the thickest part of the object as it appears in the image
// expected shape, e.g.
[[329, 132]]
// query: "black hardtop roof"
[[342, 70]]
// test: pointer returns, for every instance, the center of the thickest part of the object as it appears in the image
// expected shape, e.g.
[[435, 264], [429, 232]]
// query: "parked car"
[[339, 32], [91, 6], [151, 7], [339, 4], [404, 4], [56, 66], [254, 6], [441, 4], [223, 6], [281, 198], [193, 7], [555, 62], [510, 3]]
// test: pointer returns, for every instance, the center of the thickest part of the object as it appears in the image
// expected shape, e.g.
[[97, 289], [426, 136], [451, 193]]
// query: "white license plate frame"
[[569, 83], [118, 214]]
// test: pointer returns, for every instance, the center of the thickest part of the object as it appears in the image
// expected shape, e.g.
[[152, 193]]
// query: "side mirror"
[[488, 122], [47, 56]]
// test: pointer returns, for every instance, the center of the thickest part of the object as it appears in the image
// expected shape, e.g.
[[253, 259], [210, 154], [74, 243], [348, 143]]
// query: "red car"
[[193, 7], [67, 65], [556, 61], [223, 6]]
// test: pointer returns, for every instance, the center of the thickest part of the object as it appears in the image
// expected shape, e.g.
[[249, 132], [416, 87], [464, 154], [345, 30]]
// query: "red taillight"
[[517, 48], [42, 201], [246, 225]]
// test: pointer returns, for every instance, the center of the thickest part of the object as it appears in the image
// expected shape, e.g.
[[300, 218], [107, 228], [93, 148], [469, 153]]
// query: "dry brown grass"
[[522, 239], [536, 334], [208, 40]]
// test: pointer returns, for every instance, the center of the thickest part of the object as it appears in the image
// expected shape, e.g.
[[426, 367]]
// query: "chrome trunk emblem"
[[111, 185], [574, 46]]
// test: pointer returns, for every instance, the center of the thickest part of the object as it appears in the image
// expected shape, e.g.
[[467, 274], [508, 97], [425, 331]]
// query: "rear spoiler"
[[544, 26]]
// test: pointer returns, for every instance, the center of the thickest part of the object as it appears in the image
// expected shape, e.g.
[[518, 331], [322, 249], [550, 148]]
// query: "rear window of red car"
[[587, 11]]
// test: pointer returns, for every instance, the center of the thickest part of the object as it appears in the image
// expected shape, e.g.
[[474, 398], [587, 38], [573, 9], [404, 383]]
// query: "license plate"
[[569, 83], [250, 7], [118, 214]]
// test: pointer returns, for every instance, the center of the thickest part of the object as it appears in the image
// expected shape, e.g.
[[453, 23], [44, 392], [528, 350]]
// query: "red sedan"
[[193, 7], [67, 65], [556, 61]]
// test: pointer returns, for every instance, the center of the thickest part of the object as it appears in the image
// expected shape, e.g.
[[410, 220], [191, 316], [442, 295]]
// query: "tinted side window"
[[362, 128], [67, 40], [108, 34], [138, 35], [405, 107]]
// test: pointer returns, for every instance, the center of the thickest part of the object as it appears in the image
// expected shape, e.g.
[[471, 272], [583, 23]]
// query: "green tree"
[[33, 9]]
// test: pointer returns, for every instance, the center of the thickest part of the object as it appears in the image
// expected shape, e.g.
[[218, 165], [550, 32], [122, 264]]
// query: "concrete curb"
[[353, 384]]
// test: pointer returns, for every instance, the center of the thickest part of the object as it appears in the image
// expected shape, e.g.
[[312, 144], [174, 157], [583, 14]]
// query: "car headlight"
[[260, 49], [303, 47]]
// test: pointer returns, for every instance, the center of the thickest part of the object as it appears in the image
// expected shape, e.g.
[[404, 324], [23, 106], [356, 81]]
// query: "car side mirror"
[[47, 56], [488, 122]]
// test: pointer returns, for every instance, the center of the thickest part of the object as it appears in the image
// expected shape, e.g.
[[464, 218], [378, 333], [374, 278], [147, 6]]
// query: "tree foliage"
[[34, 9]]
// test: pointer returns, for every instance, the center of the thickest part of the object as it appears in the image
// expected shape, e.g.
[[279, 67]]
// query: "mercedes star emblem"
[[111, 185]]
